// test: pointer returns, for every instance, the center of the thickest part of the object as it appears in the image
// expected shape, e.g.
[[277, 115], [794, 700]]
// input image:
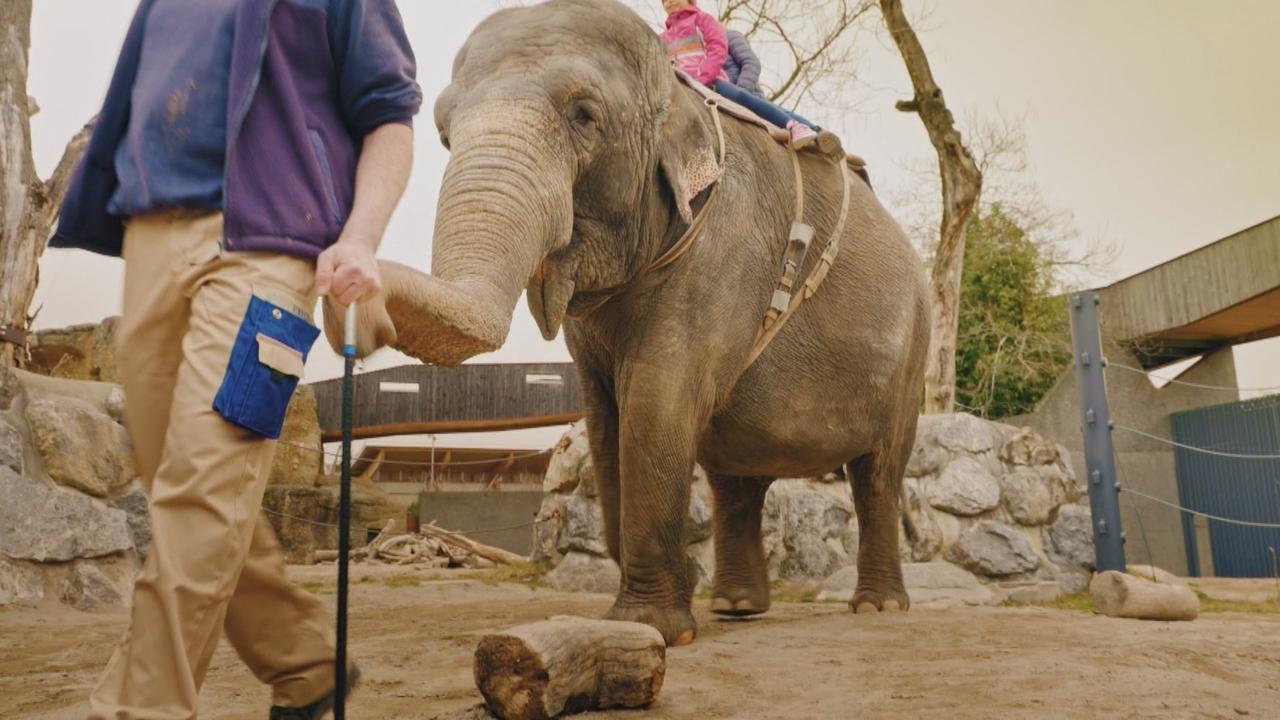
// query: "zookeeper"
[[247, 159]]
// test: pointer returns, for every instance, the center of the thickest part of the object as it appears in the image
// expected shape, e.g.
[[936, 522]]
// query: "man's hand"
[[348, 272]]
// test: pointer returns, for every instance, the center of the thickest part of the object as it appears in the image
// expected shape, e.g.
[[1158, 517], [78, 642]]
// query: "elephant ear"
[[686, 150]]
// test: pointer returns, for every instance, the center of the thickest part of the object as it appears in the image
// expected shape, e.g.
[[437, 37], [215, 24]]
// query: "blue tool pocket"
[[264, 368]]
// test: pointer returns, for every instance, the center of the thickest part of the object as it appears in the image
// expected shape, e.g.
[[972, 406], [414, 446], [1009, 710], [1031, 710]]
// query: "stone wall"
[[74, 526], [73, 523], [999, 503]]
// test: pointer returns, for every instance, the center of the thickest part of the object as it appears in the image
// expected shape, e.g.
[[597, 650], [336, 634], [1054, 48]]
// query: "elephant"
[[577, 158]]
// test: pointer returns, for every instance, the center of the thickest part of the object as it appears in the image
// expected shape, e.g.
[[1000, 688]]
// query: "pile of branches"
[[432, 546]]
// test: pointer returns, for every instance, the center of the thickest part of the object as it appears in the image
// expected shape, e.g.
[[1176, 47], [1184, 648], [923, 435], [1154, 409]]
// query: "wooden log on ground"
[[1154, 574], [498, 555], [568, 665], [1120, 595]]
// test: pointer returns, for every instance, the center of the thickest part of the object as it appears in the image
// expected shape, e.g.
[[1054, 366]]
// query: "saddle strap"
[[774, 319], [793, 255]]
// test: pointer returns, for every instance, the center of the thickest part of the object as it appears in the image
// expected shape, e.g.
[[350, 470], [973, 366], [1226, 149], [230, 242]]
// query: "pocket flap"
[[278, 356]]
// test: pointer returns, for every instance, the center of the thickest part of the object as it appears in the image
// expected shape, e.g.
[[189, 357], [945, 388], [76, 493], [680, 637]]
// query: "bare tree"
[[812, 39], [28, 205], [999, 145], [961, 189]]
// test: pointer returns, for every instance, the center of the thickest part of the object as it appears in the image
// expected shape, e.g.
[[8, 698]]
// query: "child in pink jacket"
[[697, 42]]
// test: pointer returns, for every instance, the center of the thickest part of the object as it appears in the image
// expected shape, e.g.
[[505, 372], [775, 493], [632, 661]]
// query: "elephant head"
[[574, 157]]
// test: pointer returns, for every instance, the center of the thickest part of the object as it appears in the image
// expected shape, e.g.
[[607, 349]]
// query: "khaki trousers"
[[215, 563]]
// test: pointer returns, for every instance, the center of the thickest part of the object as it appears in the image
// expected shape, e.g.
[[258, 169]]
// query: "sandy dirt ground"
[[414, 634]]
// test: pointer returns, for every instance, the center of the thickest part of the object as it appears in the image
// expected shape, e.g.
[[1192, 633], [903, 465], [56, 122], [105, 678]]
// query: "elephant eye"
[[585, 114]]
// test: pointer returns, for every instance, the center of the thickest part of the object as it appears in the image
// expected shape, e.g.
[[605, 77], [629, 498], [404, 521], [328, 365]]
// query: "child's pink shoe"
[[802, 136]]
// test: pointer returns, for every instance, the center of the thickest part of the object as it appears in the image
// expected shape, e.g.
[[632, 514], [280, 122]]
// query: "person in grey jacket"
[[743, 66]]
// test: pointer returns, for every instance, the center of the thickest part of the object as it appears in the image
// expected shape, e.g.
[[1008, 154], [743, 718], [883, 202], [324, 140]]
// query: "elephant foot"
[[873, 600], [739, 600], [676, 624]]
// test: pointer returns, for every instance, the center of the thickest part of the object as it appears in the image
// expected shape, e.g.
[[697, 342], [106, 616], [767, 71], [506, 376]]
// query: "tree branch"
[[55, 188], [961, 187]]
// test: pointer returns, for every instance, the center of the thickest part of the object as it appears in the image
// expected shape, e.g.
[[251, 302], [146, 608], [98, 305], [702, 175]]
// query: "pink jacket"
[[697, 42]]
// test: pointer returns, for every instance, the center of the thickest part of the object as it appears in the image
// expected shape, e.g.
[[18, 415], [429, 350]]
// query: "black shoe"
[[317, 709]]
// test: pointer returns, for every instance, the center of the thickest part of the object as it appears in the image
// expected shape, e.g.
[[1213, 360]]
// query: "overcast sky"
[[1153, 123]]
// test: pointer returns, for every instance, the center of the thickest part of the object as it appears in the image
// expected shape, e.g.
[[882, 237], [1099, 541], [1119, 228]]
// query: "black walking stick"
[[344, 511]]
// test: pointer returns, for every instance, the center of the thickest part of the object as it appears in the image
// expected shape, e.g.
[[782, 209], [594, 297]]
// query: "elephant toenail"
[[684, 638], [721, 604], [866, 608], [891, 605]]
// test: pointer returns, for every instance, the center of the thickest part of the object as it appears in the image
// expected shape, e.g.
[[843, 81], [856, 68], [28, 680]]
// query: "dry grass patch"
[[1081, 602]]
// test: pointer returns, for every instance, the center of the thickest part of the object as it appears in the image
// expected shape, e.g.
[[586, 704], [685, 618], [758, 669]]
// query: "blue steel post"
[[1095, 415]]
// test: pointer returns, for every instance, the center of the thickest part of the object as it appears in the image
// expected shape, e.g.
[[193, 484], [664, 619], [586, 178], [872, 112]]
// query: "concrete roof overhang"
[[1222, 294]]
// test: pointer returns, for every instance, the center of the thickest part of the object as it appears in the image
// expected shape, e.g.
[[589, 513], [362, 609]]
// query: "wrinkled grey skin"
[[573, 150]]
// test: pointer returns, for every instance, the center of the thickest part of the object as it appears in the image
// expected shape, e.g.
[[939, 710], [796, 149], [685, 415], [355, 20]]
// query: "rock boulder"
[[1028, 447], [88, 588], [958, 432], [808, 533], [82, 447], [580, 572], [299, 459], [79, 352], [994, 549], [21, 583], [930, 585], [11, 452], [582, 527], [564, 467], [964, 488], [1027, 496], [47, 524], [135, 507], [305, 518], [1069, 540]]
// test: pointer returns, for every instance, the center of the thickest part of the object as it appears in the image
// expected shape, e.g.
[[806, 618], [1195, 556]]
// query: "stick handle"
[[349, 332]]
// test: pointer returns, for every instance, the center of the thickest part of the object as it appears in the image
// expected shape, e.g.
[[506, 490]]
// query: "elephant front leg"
[[656, 452], [602, 433], [741, 585]]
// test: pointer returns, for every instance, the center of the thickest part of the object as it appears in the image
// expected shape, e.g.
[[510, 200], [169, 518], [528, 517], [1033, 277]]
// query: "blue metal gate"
[[1239, 488]]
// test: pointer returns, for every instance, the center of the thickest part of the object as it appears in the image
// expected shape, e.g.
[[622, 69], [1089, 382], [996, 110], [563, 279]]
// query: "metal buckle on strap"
[[781, 300], [798, 245], [792, 260]]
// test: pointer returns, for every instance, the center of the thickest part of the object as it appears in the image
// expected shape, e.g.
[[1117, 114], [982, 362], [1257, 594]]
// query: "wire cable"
[[1189, 511], [418, 463], [1193, 448], [1175, 381], [481, 531]]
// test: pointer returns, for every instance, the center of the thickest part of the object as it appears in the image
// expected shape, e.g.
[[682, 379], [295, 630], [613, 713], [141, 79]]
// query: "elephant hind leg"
[[877, 490], [741, 584]]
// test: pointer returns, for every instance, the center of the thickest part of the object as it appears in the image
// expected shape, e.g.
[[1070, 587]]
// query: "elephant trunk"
[[505, 203]]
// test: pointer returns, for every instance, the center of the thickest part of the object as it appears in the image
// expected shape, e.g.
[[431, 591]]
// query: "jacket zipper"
[[242, 112]]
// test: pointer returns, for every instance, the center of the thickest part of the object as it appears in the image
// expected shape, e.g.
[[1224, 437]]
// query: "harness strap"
[[793, 256], [695, 228], [770, 327]]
